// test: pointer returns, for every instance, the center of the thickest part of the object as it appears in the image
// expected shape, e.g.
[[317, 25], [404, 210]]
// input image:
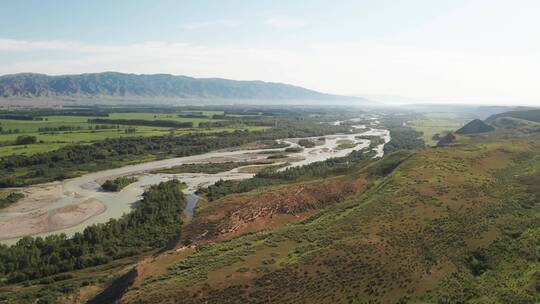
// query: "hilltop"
[[515, 123], [475, 126], [527, 114], [126, 86]]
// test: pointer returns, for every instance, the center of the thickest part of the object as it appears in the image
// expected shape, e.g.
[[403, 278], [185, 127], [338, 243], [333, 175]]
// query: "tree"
[[25, 140]]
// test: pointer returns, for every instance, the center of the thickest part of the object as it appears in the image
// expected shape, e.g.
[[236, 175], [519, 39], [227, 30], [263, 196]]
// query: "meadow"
[[431, 226], [433, 123], [54, 132]]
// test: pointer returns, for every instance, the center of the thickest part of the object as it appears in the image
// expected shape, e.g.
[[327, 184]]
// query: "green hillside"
[[452, 224], [532, 115], [515, 123], [432, 226]]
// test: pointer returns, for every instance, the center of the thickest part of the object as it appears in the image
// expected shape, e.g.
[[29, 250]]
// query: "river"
[[71, 205]]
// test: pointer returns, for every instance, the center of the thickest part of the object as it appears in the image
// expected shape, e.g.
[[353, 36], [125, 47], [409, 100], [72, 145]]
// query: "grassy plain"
[[433, 123], [158, 116], [84, 132]]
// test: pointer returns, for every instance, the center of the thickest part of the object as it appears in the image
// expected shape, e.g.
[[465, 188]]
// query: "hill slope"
[[515, 123], [112, 84], [475, 126], [455, 224], [425, 232], [532, 115]]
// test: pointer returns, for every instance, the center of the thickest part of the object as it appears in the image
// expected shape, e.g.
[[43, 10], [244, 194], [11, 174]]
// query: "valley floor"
[[458, 223], [443, 225]]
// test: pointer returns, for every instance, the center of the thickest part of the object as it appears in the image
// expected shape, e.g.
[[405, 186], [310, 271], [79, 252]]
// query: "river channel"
[[71, 205]]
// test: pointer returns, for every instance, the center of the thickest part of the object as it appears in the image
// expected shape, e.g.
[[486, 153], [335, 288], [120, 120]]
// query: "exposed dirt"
[[74, 214], [156, 265], [237, 214], [56, 219], [36, 197]]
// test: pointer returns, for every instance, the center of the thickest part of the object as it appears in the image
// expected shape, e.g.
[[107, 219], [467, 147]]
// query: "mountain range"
[[121, 85]]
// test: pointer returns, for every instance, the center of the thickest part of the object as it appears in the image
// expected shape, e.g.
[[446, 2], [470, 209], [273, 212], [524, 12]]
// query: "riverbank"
[[71, 205]]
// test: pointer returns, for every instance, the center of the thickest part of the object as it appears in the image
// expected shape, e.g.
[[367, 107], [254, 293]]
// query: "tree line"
[[236, 122], [329, 167], [151, 225], [404, 138], [143, 122], [118, 183], [69, 161]]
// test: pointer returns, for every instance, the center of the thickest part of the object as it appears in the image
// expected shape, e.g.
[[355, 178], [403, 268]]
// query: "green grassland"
[[84, 132], [455, 224], [432, 123], [459, 224], [154, 116]]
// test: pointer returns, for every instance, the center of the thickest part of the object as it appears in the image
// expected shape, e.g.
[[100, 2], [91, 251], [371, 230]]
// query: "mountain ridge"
[[123, 85], [530, 114]]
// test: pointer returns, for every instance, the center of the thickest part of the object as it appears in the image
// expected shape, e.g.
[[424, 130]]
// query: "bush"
[[25, 140], [306, 143], [118, 184]]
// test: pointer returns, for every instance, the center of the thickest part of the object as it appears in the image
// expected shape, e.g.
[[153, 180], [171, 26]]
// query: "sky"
[[475, 51]]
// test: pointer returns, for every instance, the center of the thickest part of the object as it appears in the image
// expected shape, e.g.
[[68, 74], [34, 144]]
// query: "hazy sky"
[[436, 50]]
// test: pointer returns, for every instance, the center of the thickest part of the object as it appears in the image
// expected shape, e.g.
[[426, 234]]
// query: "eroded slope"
[[448, 225]]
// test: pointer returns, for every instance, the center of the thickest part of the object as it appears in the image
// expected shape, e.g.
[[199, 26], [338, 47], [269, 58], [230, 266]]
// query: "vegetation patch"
[[330, 167], [117, 184], [346, 146], [294, 150], [455, 224], [209, 168], [404, 138], [25, 140], [152, 225], [8, 198], [306, 143], [72, 160]]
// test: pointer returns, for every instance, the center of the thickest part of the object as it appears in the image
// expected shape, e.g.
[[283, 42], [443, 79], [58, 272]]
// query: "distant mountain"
[[475, 126], [474, 111], [527, 114], [120, 85]]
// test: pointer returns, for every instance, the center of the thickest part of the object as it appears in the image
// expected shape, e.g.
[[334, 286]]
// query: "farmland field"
[[433, 123], [79, 130]]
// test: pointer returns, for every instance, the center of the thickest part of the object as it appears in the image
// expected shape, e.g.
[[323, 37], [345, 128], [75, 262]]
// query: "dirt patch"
[[36, 197], [237, 214], [56, 219], [72, 215], [157, 265]]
